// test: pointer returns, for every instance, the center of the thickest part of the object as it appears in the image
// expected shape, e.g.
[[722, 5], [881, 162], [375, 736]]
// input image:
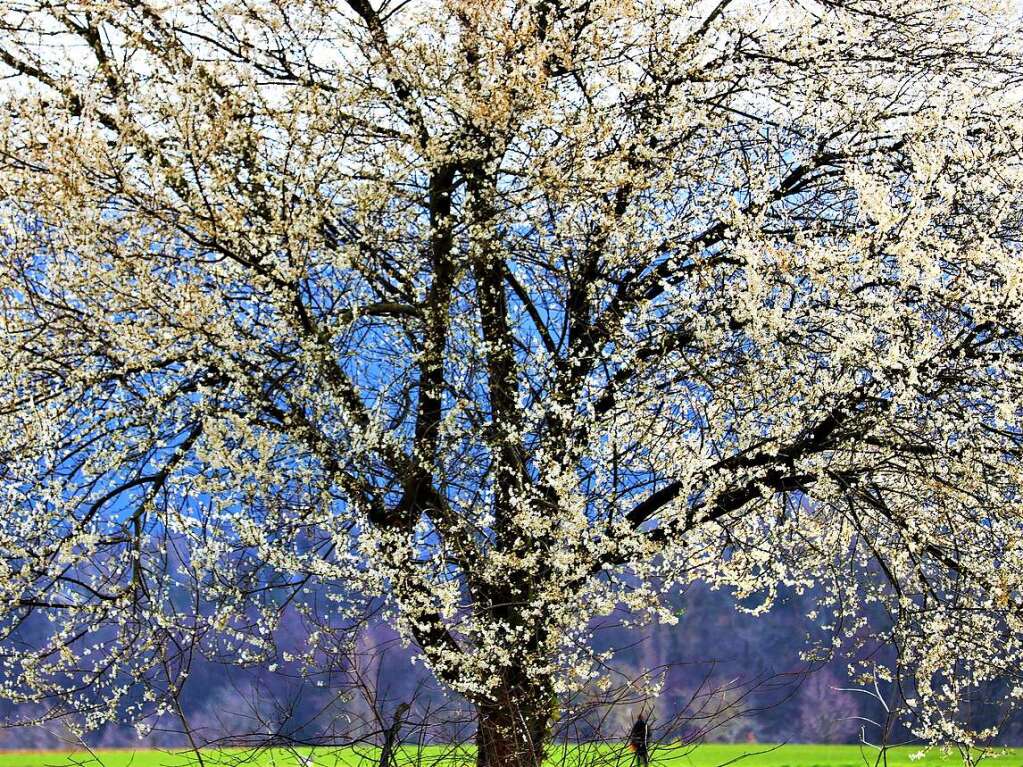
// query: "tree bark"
[[514, 726], [391, 736]]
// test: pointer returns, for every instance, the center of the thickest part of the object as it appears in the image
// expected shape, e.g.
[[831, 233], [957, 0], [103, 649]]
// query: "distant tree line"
[[787, 699]]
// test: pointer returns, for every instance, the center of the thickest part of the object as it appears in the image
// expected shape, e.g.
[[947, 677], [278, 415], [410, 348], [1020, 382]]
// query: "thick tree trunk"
[[513, 727]]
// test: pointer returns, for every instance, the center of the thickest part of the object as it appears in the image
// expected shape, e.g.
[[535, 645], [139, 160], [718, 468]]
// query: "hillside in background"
[[753, 663]]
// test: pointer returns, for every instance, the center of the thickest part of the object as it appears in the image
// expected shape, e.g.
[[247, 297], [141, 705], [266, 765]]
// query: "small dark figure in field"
[[638, 738]]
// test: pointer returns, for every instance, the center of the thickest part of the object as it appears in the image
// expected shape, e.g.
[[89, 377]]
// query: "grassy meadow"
[[710, 755]]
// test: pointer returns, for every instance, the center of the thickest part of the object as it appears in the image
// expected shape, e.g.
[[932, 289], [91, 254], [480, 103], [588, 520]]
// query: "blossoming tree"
[[504, 314]]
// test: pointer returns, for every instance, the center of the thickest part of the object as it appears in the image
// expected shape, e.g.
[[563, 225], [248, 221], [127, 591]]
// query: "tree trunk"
[[514, 726]]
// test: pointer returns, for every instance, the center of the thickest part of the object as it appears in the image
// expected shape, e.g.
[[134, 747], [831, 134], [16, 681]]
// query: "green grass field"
[[711, 755]]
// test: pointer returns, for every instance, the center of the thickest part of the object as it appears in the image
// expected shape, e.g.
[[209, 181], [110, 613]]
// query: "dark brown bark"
[[514, 726]]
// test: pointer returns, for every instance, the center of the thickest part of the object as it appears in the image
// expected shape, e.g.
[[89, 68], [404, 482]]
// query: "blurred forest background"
[[751, 668]]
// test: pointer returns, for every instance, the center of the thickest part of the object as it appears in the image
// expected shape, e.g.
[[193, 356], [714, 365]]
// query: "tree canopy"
[[500, 315]]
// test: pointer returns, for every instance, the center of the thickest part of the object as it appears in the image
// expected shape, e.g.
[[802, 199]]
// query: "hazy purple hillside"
[[712, 644]]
